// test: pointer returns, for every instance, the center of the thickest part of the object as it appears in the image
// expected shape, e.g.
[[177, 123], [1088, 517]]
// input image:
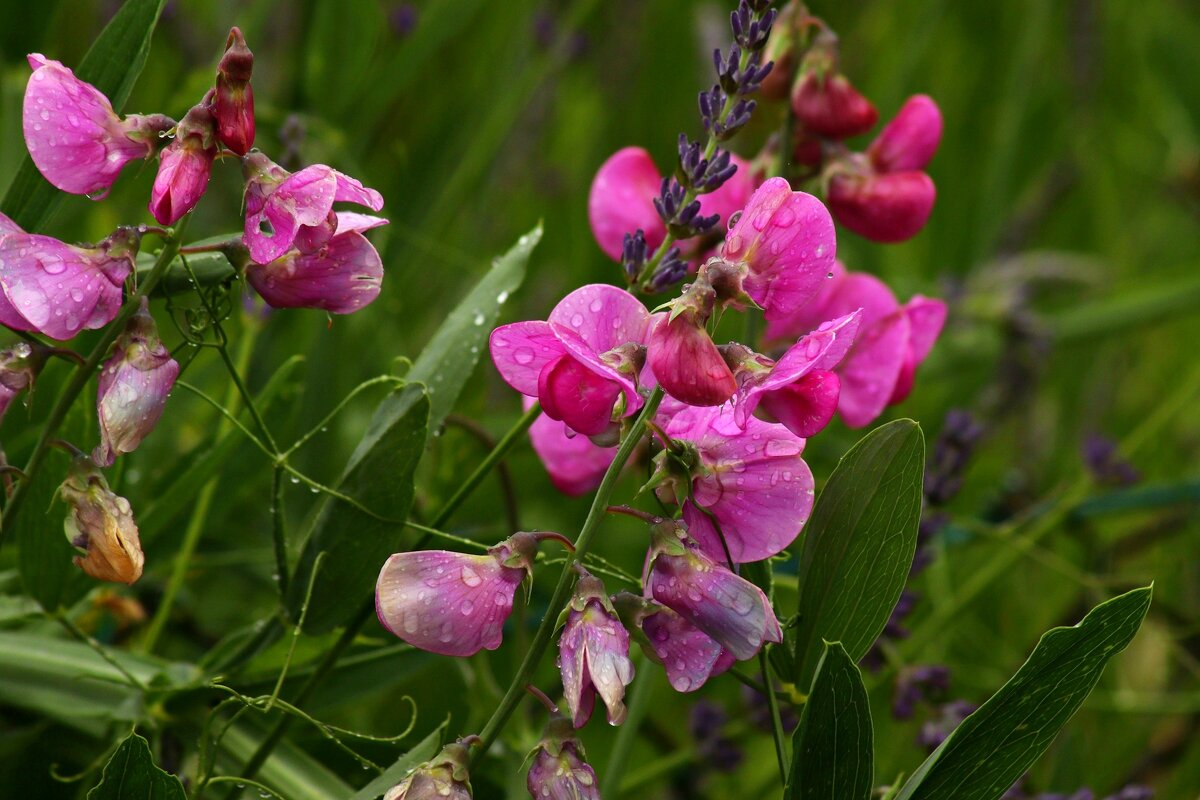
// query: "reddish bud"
[[184, 167], [830, 106], [233, 105], [686, 362], [909, 141], [891, 207]]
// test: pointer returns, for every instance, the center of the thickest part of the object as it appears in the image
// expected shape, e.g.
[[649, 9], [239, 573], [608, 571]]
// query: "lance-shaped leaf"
[[993, 747], [832, 748], [112, 65], [131, 772], [421, 752], [859, 544]]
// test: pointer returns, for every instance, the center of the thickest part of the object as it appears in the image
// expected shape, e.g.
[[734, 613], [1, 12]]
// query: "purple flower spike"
[[726, 607], [453, 604], [593, 654], [341, 277], [74, 137], [58, 289], [558, 772], [582, 362], [575, 464], [184, 167], [285, 210], [689, 655], [786, 242], [133, 387]]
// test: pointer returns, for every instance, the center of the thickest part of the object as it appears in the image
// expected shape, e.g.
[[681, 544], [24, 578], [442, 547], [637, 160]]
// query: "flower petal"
[[621, 201], [350, 190], [926, 316], [575, 465], [869, 375], [340, 278], [521, 350], [689, 655], [577, 396]]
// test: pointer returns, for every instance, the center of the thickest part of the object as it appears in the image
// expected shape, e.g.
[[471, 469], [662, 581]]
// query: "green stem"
[[278, 532], [776, 720], [541, 640], [83, 375]]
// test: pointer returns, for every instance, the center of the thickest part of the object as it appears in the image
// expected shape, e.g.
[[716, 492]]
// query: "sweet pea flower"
[[830, 106], [892, 342], [295, 209], [233, 103], [724, 606], [184, 167], [593, 654], [689, 656], [621, 199], [558, 772], [443, 777], [58, 289], [74, 137], [909, 141], [582, 362], [8, 226], [341, 277], [685, 361], [747, 478], [101, 523], [133, 387], [454, 604], [575, 464]]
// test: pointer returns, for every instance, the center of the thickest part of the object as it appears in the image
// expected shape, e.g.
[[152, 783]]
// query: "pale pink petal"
[[132, 392], [621, 201], [689, 655], [521, 350], [575, 465], [341, 278], [603, 316], [8, 226], [350, 190], [348, 221]]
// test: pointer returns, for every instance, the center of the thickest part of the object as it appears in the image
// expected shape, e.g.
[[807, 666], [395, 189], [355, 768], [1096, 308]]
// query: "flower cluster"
[[295, 250]]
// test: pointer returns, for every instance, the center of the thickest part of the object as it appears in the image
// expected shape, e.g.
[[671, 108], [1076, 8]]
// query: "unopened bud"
[[184, 167], [233, 105], [909, 141], [101, 523], [889, 207], [824, 100], [444, 777]]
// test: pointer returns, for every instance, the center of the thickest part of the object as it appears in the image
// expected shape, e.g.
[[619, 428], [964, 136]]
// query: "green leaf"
[[832, 752], [290, 771], [379, 478], [132, 773], [859, 544], [424, 750], [993, 747], [112, 65]]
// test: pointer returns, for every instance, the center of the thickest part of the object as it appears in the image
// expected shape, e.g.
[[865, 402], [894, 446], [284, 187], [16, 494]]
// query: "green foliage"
[[131, 772]]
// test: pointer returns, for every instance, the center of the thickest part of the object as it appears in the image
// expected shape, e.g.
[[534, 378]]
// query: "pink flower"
[[233, 105], [726, 607], [575, 464], [452, 603], [74, 137], [593, 654], [184, 167], [893, 340], [749, 477], [830, 106], [8, 226], [689, 656], [909, 141], [582, 363], [285, 210], [558, 772], [341, 277], [785, 242], [133, 387], [58, 289], [686, 362], [621, 199]]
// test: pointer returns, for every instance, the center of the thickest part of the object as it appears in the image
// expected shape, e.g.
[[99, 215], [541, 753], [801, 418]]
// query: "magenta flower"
[[341, 277], [689, 656], [893, 340], [582, 363], [184, 167], [593, 654], [750, 481], [621, 199], [58, 289], [685, 361], [74, 137], [453, 604], [558, 772], [726, 607], [8, 226], [576, 465], [785, 242], [233, 104], [295, 209], [133, 387]]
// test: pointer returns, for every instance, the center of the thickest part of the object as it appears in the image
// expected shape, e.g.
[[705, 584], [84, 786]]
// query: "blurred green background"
[[1066, 237]]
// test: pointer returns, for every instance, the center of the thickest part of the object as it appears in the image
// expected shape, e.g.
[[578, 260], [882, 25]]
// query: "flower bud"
[[233, 105], [101, 523], [184, 167], [558, 771], [886, 207], [909, 141], [593, 654], [830, 106], [444, 777], [19, 365], [133, 387], [686, 362]]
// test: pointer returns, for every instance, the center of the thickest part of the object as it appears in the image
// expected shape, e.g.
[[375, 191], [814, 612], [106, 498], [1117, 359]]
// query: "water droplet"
[[576, 320], [478, 318], [523, 355], [470, 577], [828, 274], [500, 298], [466, 608], [595, 306], [733, 219]]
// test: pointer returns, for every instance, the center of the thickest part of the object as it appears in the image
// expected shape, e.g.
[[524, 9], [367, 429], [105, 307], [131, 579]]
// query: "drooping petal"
[[787, 241], [888, 207], [447, 603], [580, 398], [521, 350], [909, 141], [184, 167], [686, 362], [869, 375], [351, 190], [830, 106], [101, 523], [348, 221], [689, 655], [609, 667], [340, 278], [575, 465], [621, 201]]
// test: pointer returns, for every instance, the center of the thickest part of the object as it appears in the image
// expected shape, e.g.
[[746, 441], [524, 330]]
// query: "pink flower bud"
[[133, 387], [886, 207], [452, 603], [909, 141], [686, 362], [58, 289], [101, 523], [689, 656], [19, 365], [184, 167], [233, 105], [593, 654], [74, 137], [444, 777], [341, 277], [830, 106], [726, 607], [558, 772]]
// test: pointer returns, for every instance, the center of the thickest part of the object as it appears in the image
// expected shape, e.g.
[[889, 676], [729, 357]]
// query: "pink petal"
[[130, 399], [350, 190], [909, 141], [575, 465], [686, 362], [844, 293], [303, 198], [926, 316], [577, 396], [621, 201], [8, 226], [521, 351], [609, 667], [603, 316], [341, 278], [183, 173], [447, 603], [888, 207], [870, 373], [806, 406], [689, 656], [348, 221], [787, 240]]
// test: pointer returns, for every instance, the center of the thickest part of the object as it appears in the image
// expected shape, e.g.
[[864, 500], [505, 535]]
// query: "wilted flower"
[[59, 289], [558, 770], [101, 523], [582, 363], [593, 654], [74, 137], [453, 604], [133, 387], [233, 104], [285, 210], [184, 167], [444, 777]]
